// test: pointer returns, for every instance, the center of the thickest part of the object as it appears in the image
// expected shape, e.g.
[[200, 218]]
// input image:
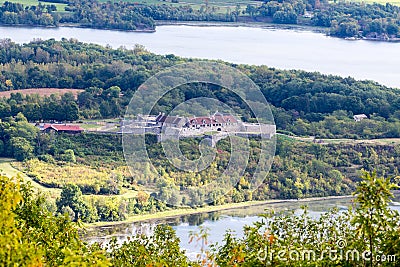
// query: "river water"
[[216, 223], [280, 48]]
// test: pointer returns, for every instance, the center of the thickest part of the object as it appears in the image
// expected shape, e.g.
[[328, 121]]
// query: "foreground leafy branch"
[[368, 234]]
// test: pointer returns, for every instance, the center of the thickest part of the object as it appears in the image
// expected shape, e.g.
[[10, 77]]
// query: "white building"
[[359, 117]]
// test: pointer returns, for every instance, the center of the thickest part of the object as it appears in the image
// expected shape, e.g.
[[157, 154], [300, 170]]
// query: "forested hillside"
[[302, 102], [95, 165]]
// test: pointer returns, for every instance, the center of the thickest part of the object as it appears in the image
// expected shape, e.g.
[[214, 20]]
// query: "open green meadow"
[[60, 7], [8, 170], [220, 6], [196, 2], [382, 2]]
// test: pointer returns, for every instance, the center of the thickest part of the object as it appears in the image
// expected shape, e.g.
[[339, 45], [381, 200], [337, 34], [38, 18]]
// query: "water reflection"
[[217, 222]]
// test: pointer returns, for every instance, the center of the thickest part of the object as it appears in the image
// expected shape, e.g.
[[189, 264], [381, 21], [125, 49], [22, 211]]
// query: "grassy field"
[[41, 92], [221, 6], [89, 126], [57, 175], [8, 170], [382, 2], [60, 7], [382, 141]]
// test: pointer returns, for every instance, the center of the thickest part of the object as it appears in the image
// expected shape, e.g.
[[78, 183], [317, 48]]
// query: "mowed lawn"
[[60, 7]]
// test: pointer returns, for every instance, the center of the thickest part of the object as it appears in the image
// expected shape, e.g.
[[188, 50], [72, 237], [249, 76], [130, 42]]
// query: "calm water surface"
[[217, 223], [280, 48]]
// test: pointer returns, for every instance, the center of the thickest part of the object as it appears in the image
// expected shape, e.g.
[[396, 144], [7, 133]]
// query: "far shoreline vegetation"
[[207, 209], [377, 22]]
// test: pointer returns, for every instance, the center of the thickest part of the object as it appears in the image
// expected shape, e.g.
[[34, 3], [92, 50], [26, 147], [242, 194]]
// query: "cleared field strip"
[[8, 170], [41, 92], [60, 7]]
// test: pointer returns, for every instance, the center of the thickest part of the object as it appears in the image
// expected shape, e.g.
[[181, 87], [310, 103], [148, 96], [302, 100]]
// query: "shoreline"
[[175, 213], [260, 25], [269, 25], [263, 25], [73, 25]]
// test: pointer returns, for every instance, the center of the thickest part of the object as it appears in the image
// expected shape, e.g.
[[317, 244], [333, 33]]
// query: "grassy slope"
[[7, 169], [41, 92], [10, 171]]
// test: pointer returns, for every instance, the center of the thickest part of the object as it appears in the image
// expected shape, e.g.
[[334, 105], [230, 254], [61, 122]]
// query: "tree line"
[[344, 19], [300, 169], [16, 14]]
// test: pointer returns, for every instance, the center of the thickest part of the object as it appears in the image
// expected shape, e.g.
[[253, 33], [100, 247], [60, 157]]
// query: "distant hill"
[[42, 92]]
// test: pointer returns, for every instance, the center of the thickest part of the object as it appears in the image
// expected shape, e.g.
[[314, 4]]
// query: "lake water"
[[280, 48], [217, 223]]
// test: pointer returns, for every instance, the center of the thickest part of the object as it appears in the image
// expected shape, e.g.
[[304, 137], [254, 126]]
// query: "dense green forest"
[[374, 21], [33, 236], [344, 19], [303, 103], [15, 14]]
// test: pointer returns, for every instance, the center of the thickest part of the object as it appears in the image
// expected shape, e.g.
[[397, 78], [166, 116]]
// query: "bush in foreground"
[[367, 235]]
